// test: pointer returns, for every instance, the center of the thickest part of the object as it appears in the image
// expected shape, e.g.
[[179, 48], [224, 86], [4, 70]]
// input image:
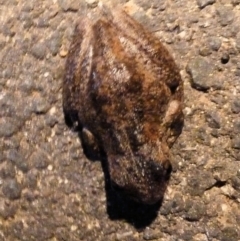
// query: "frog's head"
[[142, 178]]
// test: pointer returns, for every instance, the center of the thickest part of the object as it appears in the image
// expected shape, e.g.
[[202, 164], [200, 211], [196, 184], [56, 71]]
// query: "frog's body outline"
[[123, 88]]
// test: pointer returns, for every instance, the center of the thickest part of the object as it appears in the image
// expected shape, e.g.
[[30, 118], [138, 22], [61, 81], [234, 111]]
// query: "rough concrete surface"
[[51, 191]]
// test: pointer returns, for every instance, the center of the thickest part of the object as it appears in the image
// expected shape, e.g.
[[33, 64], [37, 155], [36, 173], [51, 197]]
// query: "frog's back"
[[118, 71]]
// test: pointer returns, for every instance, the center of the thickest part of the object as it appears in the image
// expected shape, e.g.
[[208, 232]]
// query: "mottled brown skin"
[[123, 88]]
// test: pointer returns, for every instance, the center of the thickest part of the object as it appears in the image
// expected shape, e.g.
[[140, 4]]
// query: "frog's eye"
[[173, 85], [71, 119], [159, 171]]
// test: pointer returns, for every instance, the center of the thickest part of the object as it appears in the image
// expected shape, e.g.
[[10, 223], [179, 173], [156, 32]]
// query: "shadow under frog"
[[124, 95]]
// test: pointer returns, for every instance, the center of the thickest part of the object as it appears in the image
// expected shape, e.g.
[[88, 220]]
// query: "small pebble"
[[7, 210], [11, 189], [213, 120], [54, 43], [40, 159], [235, 106], [195, 211], [151, 234], [8, 126], [236, 126], [200, 71], [39, 105], [92, 3], [70, 5], [214, 43], [31, 179], [18, 160], [7, 170], [204, 51], [39, 50], [236, 142], [225, 14], [204, 3]]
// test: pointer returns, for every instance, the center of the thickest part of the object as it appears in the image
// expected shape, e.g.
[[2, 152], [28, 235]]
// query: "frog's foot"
[[90, 145]]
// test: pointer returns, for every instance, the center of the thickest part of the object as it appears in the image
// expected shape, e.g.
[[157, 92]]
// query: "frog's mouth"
[[129, 193], [136, 196], [148, 190]]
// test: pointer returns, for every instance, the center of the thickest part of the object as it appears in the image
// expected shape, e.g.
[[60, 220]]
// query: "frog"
[[124, 92]]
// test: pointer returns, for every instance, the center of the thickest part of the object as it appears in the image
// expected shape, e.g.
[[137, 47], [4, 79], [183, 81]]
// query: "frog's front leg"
[[90, 144]]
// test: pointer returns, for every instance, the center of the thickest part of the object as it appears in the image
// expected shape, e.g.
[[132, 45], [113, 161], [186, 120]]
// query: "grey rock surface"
[[50, 191]]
